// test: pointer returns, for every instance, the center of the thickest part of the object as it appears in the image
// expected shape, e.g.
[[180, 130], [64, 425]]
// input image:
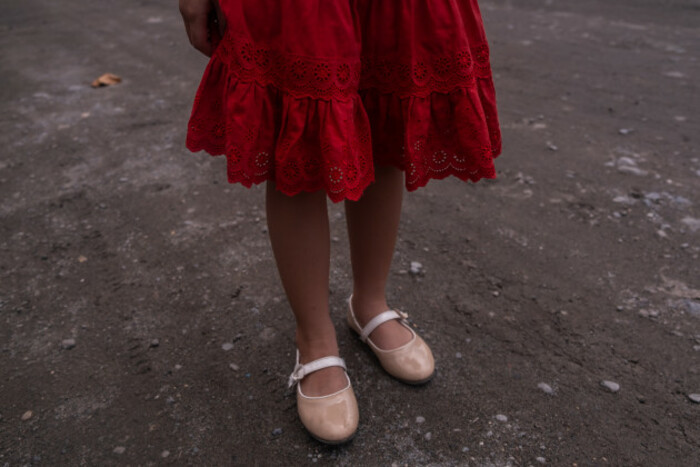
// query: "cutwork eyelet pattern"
[[342, 163], [299, 76]]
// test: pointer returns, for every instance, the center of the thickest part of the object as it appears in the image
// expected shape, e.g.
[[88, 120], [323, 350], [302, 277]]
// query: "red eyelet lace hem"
[[311, 124]]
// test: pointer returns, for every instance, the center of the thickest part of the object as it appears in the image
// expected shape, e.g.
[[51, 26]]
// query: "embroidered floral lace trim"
[[299, 76], [339, 79], [425, 76], [346, 180], [344, 171]]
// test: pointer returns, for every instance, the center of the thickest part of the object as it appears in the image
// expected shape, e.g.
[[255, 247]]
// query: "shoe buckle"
[[297, 375]]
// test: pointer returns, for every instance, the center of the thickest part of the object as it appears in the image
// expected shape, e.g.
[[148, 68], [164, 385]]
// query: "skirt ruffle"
[[435, 136], [323, 121], [302, 143]]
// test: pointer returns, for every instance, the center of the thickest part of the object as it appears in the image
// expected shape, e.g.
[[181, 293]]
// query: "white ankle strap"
[[380, 319], [376, 321], [300, 371]]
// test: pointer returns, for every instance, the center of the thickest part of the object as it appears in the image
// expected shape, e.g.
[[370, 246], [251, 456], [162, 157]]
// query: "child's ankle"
[[314, 347], [366, 307]]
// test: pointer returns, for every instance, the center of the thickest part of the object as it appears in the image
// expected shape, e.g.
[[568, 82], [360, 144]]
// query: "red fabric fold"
[[318, 112]]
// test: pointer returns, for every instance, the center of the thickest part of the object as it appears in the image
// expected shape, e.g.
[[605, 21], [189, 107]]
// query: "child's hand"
[[204, 22]]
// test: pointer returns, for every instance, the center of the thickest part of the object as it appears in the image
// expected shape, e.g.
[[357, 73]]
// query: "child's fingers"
[[195, 14], [187, 29], [221, 18], [199, 34]]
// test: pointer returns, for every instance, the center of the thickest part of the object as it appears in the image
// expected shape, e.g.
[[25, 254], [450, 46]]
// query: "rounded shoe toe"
[[331, 419], [412, 363]]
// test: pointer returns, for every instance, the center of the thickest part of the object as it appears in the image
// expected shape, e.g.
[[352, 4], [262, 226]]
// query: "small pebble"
[[458, 355], [119, 450], [277, 432], [501, 418], [626, 161], [416, 268], [155, 343], [428, 436], [227, 346], [420, 419], [653, 196], [694, 398], [27, 415], [628, 169], [551, 146], [692, 306], [625, 131], [164, 454], [610, 385], [465, 449], [234, 367], [546, 388], [541, 460], [692, 223], [68, 343], [648, 313], [623, 199]]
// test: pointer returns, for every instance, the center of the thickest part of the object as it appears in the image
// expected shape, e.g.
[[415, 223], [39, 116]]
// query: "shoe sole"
[[412, 383], [332, 442]]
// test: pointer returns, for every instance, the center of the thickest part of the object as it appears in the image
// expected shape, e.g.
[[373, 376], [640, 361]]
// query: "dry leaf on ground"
[[106, 80]]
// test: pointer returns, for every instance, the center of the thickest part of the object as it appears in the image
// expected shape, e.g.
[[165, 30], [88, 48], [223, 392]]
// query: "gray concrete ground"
[[579, 264]]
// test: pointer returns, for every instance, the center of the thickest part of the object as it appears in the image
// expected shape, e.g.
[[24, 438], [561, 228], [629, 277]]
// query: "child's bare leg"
[[373, 224], [299, 234]]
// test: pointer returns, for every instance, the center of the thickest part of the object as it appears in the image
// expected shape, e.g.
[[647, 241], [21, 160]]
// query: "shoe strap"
[[381, 318], [300, 371]]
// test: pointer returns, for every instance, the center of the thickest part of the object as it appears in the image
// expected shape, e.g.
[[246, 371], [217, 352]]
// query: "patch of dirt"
[[578, 264]]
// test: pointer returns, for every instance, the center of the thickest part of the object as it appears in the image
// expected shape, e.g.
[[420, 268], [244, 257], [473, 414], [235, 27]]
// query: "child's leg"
[[300, 238], [373, 224]]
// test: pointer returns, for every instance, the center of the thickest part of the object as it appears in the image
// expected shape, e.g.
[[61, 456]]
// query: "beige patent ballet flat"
[[331, 419], [411, 363]]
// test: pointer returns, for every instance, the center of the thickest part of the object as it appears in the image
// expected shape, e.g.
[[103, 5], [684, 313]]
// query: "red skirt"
[[313, 93]]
